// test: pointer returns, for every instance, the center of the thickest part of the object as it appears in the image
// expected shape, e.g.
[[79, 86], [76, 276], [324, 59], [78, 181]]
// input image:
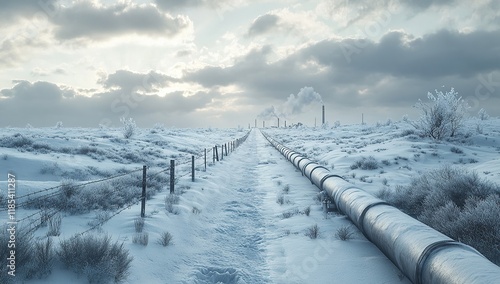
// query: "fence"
[[423, 254], [49, 200]]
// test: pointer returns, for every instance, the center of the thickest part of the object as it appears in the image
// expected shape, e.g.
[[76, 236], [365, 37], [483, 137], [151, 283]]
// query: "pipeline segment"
[[423, 254]]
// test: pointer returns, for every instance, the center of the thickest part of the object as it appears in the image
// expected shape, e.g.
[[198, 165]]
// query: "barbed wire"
[[78, 185], [49, 211], [127, 206]]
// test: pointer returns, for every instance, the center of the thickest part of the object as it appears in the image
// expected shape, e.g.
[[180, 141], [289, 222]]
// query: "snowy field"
[[248, 218]]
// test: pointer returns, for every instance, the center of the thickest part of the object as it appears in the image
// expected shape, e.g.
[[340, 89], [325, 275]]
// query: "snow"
[[228, 226]]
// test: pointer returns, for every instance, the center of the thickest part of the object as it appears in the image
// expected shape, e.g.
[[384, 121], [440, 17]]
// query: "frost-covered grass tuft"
[[54, 225], [313, 232], [139, 224], [141, 238], [170, 201], [165, 239], [100, 260], [364, 163], [344, 233]]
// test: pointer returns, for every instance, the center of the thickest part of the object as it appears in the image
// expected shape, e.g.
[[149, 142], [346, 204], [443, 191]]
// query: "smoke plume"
[[294, 104]]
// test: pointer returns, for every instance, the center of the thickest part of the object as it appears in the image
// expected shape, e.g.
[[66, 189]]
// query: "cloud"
[[44, 103], [13, 10], [86, 20], [263, 24], [130, 81], [222, 5], [444, 53], [355, 73], [176, 4]]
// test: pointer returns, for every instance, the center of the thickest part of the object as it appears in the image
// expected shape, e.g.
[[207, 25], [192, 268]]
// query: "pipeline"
[[423, 254]]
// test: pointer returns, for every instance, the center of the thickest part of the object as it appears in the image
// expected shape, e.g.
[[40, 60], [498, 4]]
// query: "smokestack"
[[323, 115]]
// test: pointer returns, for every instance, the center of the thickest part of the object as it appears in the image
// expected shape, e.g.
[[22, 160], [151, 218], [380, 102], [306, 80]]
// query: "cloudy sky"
[[224, 63]]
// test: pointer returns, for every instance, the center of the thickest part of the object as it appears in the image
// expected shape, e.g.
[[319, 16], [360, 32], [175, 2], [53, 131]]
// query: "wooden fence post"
[[216, 153], [143, 198], [222, 152], [205, 159], [192, 168], [172, 176]]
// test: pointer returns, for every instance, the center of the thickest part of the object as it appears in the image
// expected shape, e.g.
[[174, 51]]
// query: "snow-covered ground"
[[398, 151], [243, 220]]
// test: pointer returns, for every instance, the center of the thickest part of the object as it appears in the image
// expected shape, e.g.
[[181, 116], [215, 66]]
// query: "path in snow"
[[232, 250]]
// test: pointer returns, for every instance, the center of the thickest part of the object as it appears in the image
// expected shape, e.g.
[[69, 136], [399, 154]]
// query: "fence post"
[[216, 153], [192, 168], [172, 176], [222, 152], [205, 159], [143, 198]]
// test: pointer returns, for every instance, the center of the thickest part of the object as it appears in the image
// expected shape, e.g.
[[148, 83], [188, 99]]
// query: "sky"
[[228, 63]]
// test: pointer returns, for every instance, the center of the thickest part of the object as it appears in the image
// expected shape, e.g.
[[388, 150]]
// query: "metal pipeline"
[[423, 254]]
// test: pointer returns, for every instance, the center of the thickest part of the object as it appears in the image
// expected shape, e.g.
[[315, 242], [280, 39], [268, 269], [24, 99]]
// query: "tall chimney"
[[323, 115]]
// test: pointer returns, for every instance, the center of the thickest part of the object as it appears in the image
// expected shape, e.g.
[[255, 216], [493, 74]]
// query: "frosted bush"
[[365, 164], [443, 117], [129, 127], [482, 114], [457, 203], [95, 257]]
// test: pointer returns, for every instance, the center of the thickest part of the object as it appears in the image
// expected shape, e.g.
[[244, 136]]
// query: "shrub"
[[444, 117], [313, 232], [286, 189], [96, 257], [456, 150], [139, 224], [344, 233], [281, 199], [290, 213], [170, 201], [307, 211], [55, 225], [165, 239], [16, 141], [129, 127], [43, 259], [482, 115], [457, 203], [196, 210], [141, 238], [366, 164]]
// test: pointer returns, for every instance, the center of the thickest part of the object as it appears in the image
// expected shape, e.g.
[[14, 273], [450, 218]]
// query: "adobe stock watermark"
[[484, 90], [47, 9], [372, 29], [11, 224], [129, 100], [309, 265]]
